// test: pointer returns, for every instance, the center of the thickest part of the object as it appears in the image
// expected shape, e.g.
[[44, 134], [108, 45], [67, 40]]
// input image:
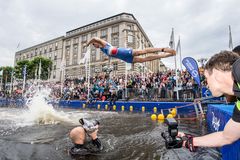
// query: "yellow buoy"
[[143, 109], [114, 107], [155, 110], [122, 108], [84, 105], [154, 117], [161, 121], [98, 106], [169, 116], [173, 112], [106, 107], [160, 117], [131, 108]]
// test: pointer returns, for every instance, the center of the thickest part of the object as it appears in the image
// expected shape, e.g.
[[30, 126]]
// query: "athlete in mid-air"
[[130, 55]]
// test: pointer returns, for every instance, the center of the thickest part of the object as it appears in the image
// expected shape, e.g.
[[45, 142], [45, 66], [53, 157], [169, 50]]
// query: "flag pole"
[[62, 78], [89, 74], [35, 74], [230, 38], [63, 65], [1, 74], [11, 85], [1, 82], [172, 45], [39, 70], [179, 51], [62, 82], [24, 78]]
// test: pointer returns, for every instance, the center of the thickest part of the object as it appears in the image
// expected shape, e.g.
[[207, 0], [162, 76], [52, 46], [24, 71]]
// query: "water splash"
[[40, 111]]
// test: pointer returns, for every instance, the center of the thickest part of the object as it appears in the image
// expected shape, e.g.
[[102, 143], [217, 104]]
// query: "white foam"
[[40, 111]]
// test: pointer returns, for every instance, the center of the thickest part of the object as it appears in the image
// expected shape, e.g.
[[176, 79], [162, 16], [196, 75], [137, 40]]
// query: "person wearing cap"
[[78, 137], [129, 55], [223, 77]]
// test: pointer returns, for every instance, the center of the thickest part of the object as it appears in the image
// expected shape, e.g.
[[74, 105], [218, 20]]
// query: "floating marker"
[[169, 116], [160, 117], [143, 109], [131, 108], [155, 110], [98, 106], [114, 107], [154, 117]]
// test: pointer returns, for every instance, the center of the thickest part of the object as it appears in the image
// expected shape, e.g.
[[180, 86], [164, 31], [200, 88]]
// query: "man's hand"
[[91, 41], [93, 135], [187, 141], [181, 134]]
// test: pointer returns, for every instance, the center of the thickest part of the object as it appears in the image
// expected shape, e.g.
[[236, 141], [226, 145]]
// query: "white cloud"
[[202, 25]]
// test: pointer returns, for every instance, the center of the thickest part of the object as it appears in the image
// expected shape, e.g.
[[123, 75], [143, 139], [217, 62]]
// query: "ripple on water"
[[125, 136]]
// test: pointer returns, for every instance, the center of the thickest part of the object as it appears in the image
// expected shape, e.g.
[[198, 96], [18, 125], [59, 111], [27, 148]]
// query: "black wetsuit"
[[236, 89], [89, 147]]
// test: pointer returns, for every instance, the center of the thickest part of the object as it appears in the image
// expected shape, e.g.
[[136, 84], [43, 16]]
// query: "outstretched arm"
[[98, 41], [171, 52], [230, 134]]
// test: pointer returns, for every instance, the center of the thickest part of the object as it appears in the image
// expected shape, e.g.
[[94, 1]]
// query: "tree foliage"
[[33, 68], [6, 73]]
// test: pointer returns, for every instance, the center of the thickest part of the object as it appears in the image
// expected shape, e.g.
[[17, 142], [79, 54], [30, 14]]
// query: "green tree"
[[6, 74], [19, 68], [46, 67], [33, 67]]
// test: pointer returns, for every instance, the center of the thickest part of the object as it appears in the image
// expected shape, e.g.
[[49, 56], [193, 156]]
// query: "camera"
[[89, 125], [170, 136]]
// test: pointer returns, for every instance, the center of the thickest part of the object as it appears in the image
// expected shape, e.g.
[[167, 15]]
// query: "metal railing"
[[156, 94]]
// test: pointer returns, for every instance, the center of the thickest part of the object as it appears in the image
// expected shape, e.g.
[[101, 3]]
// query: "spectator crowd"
[[149, 87]]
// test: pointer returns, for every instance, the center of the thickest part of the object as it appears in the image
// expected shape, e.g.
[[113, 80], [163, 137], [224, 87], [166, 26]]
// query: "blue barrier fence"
[[136, 105], [11, 102], [217, 117]]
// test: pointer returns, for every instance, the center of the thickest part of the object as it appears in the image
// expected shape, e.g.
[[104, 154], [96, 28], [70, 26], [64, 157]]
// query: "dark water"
[[125, 136]]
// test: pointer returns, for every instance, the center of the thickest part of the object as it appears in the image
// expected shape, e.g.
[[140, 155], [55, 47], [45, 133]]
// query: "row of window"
[[31, 55], [103, 33], [44, 50], [95, 69], [93, 25], [115, 42]]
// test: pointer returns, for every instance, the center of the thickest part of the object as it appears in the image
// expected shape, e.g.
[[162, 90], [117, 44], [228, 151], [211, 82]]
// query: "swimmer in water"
[[78, 137]]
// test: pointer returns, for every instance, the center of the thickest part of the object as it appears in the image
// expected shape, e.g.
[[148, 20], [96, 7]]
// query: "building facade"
[[52, 49], [122, 30]]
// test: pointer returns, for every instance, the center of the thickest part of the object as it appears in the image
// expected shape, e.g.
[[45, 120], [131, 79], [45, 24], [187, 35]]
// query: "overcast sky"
[[202, 25]]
